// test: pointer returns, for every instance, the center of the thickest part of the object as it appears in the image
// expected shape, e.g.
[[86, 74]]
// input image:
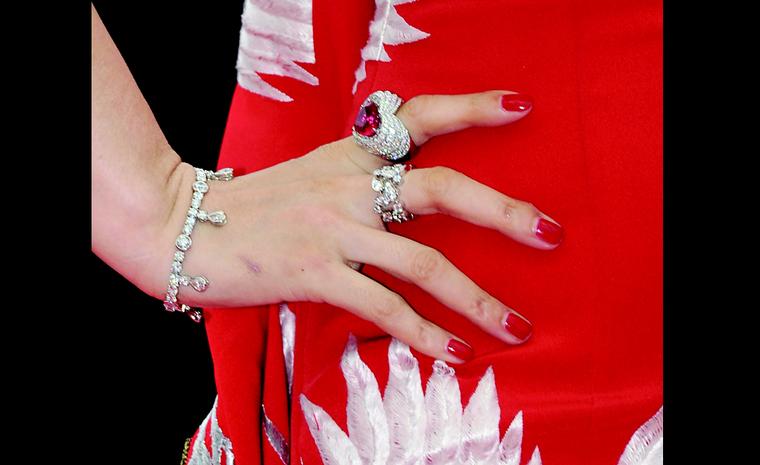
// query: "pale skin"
[[294, 229]]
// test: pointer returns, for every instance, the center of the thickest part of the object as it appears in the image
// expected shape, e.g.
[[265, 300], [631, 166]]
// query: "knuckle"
[[416, 112], [425, 334], [485, 308], [509, 211], [438, 180], [425, 263], [389, 307], [419, 105], [474, 109]]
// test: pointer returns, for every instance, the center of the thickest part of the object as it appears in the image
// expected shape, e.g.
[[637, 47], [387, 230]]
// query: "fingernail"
[[459, 350], [516, 102], [518, 326], [549, 232]]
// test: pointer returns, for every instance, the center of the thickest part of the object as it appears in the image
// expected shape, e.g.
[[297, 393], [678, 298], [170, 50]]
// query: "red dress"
[[589, 154]]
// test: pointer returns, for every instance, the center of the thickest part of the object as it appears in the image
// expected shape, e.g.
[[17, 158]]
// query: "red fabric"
[[589, 154]]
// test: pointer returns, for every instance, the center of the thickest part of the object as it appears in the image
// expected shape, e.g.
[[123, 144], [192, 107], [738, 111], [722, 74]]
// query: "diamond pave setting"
[[378, 130], [386, 182], [184, 242]]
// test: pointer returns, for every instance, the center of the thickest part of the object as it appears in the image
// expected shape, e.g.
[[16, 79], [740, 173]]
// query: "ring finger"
[[432, 271]]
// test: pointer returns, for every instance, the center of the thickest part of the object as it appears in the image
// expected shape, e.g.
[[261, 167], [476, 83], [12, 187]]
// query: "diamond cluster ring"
[[386, 182], [378, 130]]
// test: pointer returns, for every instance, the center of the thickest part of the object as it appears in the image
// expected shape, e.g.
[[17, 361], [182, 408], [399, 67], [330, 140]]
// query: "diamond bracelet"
[[183, 242]]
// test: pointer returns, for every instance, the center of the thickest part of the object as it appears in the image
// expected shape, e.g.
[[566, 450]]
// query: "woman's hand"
[[294, 230]]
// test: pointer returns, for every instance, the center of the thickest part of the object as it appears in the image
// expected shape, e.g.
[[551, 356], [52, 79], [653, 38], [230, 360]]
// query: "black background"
[[158, 369]]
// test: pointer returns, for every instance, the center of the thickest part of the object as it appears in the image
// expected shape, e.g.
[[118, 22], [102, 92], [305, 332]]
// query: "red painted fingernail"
[[459, 350], [516, 102], [549, 232], [518, 326]]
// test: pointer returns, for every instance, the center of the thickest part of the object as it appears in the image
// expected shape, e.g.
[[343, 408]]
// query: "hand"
[[295, 228]]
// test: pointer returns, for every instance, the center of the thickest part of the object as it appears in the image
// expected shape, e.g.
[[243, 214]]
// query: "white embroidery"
[[367, 427], [288, 330], [386, 28], [535, 459], [274, 35], [645, 446], [407, 427], [404, 405], [275, 438], [219, 443]]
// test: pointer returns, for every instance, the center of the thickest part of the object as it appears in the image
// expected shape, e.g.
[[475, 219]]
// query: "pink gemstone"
[[368, 120]]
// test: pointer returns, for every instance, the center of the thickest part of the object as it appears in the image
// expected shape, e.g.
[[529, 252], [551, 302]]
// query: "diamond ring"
[[386, 181], [378, 130]]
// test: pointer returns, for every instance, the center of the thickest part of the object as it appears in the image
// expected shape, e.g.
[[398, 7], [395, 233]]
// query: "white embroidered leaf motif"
[[387, 27], [509, 448], [480, 423], [535, 459], [333, 444], [444, 415], [288, 330], [447, 430], [275, 437], [365, 414], [273, 37], [200, 454], [404, 406], [646, 444]]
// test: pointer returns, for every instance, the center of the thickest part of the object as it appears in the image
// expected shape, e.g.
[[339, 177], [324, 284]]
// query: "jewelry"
[[378, 130], [386, 182], [184, 241]]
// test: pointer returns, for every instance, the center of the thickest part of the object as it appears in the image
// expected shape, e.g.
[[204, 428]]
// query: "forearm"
[[135, 173]]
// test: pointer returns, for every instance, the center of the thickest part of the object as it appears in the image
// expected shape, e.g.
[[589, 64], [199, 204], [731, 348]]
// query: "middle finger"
[[430, 270]]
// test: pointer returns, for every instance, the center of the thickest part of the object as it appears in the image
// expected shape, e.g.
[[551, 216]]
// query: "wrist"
[[153, 279]]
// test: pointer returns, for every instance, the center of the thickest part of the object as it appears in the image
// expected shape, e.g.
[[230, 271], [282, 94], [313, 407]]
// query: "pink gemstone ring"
[[378, 130]]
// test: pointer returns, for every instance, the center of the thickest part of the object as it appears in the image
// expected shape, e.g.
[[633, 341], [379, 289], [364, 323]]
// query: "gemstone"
[[179, 256], [202, 215], [195, 315], [217, 217], [224, 174], [200, 186], [187, 229], [200, 175], [176, 267], [368, 119], [192, 213], [183, 242], [196, 203], [170, 306], [199, 283], [377, 185]]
